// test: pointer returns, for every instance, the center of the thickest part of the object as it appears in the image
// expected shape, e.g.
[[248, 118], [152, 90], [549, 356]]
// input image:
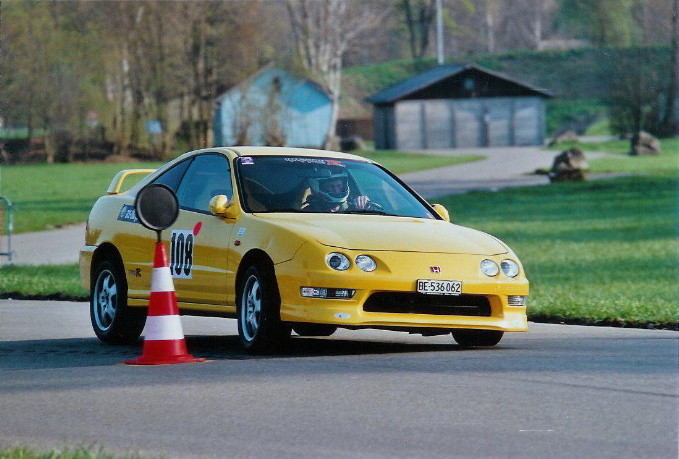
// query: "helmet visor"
[[336, 187]]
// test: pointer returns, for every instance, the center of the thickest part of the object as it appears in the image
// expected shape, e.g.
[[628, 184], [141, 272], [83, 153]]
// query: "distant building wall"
[[298, 107], [461, 123]]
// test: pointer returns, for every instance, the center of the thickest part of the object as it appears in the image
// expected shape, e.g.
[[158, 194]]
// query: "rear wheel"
[[112, 320], [259, 326], [473, 338], [303, 329]]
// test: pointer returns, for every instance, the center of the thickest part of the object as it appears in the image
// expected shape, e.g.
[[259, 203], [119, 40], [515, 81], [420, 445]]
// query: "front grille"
[[419, 303]]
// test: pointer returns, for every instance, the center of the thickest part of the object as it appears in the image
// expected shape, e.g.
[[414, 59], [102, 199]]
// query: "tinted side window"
[[173, 176], [208, 176]]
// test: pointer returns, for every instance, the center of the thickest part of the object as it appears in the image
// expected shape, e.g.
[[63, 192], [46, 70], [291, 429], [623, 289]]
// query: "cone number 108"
[[181, 254]]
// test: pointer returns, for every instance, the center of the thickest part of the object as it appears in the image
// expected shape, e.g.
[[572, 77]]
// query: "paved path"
[[53, 247], [503, 167], [556, 391]]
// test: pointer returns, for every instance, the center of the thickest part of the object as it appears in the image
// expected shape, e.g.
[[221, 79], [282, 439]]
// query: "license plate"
[[439, 287]]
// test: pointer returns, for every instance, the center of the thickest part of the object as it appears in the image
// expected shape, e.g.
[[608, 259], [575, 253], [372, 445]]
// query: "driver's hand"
[[360, 202]]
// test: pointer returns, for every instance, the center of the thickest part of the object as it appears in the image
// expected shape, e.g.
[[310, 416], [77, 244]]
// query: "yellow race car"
[[293, 239]]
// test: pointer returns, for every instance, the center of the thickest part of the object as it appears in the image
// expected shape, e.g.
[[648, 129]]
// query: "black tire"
[[112, 320], [474, 338], [258, 306], [304, 329]]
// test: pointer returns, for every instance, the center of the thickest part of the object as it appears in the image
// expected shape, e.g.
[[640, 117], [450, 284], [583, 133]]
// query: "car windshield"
[[323, 185]]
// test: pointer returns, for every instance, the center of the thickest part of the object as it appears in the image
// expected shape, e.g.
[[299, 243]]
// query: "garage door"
[[527, 122], [409, 125], [468, 126]]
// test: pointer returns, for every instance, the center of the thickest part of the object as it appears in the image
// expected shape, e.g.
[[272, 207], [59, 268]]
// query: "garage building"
[[459, 106]]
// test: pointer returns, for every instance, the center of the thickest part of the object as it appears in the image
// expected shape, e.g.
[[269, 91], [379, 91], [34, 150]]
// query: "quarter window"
[[173, 176]]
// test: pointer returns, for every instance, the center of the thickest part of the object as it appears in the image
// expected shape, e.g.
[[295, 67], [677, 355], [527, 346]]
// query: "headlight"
[[365, 263], [489, 268], [338, 261], [510, 268]]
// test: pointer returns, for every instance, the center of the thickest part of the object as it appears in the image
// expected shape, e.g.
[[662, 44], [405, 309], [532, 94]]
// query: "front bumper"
[[397, 272], [85, 259]]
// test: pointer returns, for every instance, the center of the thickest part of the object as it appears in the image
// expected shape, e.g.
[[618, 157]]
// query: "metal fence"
[[6, 228]]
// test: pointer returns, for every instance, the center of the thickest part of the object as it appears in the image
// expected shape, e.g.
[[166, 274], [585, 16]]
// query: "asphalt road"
[[556, 391]]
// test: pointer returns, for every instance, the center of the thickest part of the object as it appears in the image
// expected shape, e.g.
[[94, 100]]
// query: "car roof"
[[288, 151]]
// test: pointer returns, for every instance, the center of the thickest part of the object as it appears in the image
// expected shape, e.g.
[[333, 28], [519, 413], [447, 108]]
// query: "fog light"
[[516, 300], [489, 268], [328, 293], [313, 292]]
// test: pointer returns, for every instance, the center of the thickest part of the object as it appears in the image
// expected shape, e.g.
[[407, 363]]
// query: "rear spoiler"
[[117, 182]]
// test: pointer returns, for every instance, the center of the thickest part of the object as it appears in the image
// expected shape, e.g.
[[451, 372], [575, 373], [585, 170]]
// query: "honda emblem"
[[435, 269]]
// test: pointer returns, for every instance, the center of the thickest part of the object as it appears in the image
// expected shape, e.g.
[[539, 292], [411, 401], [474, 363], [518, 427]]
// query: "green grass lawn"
[[597, 251], [55, 281], [49, 195], [76, 453]]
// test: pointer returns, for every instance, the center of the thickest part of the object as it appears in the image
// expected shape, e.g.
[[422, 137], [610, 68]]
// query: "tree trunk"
[[490, 27], [330, 136], [537, 25], [671, 121]]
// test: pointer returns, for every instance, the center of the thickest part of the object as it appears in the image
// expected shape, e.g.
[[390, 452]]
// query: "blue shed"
[[273, 107]]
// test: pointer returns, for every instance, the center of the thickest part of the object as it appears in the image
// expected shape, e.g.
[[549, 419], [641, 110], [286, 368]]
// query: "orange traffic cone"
[[164, 339]]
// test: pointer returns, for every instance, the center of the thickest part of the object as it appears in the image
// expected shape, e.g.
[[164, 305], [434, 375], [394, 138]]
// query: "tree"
[[604, 22], [670, 121], [526, 23], [323, 31], [419, 17], [639, 87]]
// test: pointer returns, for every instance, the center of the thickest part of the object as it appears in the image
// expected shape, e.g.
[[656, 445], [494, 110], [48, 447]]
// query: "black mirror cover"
[[157, 206]]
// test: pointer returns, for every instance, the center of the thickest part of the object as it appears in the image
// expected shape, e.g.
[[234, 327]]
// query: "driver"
[[330, 193]]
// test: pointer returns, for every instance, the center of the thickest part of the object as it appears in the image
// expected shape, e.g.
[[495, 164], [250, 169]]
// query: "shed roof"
[[410, 85]]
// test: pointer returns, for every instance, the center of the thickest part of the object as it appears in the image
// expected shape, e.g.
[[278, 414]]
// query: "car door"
[[136, 243], [198, 240]]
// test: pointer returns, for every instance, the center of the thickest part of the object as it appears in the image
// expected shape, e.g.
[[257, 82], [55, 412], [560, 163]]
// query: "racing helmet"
[[331, 185]]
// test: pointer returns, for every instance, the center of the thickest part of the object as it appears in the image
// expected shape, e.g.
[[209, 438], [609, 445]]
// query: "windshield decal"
[[247, 160], [305, 160]]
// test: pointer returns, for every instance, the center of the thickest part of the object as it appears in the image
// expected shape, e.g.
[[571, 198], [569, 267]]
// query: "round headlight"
[[365, 263], [338, 261], [489, 268], [510, 268]]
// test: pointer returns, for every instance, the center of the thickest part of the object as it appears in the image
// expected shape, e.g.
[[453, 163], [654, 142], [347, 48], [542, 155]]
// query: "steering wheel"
[[372, 205]]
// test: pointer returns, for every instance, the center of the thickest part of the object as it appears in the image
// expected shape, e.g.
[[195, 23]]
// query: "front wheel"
[[259, 326], [112, 320], [473, 338]]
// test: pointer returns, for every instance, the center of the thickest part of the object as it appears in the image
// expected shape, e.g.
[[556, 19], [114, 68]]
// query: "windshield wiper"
[[368, 212]]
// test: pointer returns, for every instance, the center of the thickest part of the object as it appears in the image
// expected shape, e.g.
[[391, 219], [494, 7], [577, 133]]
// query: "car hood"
[[385, 233]]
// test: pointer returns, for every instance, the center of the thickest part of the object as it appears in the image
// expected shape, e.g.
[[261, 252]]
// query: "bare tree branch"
[[323, 32]]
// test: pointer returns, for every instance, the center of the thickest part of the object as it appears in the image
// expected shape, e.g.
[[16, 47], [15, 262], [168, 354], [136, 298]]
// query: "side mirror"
[[442, 211], [222, 207]]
